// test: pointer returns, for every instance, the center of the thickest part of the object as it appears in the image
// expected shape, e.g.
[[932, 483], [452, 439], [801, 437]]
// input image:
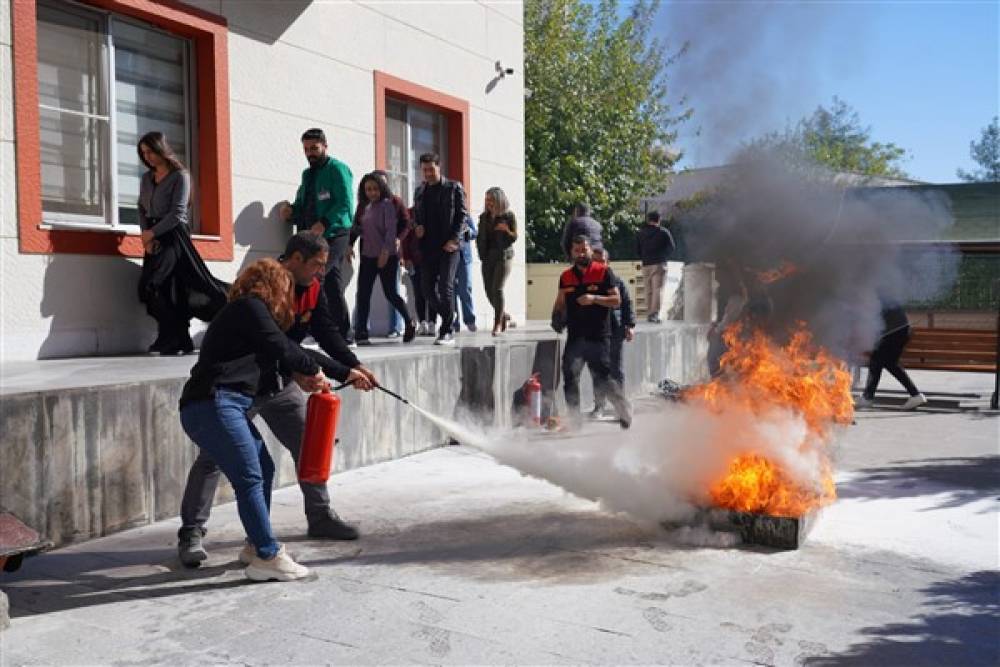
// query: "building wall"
[[293, 64]]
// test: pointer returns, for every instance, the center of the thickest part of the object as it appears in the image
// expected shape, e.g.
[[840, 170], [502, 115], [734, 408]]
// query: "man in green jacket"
[[324, 205]]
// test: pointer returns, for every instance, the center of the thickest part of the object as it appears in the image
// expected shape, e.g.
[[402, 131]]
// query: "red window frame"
[[454, 109], [209, 35]]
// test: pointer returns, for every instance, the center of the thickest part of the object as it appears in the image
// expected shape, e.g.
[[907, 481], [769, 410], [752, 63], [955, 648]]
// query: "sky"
[[923, 75]]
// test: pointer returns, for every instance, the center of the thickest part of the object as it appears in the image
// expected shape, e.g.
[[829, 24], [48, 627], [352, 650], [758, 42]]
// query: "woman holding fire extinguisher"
[[244, 343]]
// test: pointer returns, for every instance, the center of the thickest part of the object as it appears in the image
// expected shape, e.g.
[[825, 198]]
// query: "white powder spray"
[[661, 469]]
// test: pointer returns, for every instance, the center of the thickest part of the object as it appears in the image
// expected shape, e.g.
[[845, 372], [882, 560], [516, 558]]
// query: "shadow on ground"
[[89, 578], [965, 479], [554, 548], [961, 626]]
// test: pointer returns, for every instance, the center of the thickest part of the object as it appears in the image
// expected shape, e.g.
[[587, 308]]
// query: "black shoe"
[[363, 342], [625, 423], [447, 338], [190, 549], [332, 528], [410, 332]]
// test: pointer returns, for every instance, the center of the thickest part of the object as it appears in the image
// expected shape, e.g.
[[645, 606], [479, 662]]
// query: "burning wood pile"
[[758, 495]]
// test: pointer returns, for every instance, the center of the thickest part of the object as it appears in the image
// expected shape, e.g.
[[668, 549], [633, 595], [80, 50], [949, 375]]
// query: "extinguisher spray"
[[533, 398]]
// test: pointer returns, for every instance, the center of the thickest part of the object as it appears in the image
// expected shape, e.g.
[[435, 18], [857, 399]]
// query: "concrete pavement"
[[464, 561]]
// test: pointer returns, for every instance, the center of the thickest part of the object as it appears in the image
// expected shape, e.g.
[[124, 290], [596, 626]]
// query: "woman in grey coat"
[[497, 233], [175, 283]]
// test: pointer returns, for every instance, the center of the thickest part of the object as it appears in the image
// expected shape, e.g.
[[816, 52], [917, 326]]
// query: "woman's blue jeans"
[[221, 426]]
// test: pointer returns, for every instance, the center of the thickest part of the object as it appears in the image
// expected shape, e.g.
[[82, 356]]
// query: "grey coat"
[[163, 206]]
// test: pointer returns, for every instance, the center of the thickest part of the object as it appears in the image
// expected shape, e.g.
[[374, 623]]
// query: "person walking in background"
[[245, 343], [323, 205], [174, 284], [463, 277], [410, 253], [440, 210], [282, 406], [622, 331], [889, 348], [586, 297], [580, 224], [654, 245], [497, 234], [378, 229]]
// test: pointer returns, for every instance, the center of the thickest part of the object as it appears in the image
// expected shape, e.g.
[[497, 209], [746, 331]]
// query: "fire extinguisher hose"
[[378, 386]]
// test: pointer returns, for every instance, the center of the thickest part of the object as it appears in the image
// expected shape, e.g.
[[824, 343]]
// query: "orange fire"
[[761, 375], [774, 275]]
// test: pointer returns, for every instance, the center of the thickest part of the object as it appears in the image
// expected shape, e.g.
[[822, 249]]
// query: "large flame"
[[762, 376]]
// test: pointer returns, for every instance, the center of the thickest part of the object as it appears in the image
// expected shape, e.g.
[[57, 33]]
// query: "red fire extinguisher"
[[533, 398], [316, 457]]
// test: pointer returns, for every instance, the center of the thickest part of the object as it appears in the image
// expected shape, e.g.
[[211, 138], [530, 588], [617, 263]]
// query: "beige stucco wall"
[[293, 64]]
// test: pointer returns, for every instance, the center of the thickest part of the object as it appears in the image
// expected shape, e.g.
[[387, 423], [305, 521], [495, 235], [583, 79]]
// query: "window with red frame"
[[104, 80]]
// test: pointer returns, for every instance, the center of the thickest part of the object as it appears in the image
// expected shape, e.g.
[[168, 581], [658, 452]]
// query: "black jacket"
[[623, 316], [583, 226], [447, 226], [318, 322], [654, 245], [242, 348]]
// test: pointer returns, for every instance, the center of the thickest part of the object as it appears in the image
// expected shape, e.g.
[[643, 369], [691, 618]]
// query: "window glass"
[[150, 94], [411, 131], [397, 155], [74, 124], [103, 82]]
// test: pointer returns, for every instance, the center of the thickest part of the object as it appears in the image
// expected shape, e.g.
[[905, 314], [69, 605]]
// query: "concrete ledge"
[[84, 461]]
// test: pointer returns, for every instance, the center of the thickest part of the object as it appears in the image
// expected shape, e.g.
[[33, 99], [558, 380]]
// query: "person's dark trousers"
[[424, 312], [388, 276], [495, 273], [617, 369], [886, 356], [334, 284], [285, 414], [437, 280], [221, 428], [173, 324], [597, 357], [463, 294]]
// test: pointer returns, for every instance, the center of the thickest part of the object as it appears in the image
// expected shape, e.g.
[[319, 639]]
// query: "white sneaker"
[[279, 568], [247, 554], [914, 402], [862, 402]]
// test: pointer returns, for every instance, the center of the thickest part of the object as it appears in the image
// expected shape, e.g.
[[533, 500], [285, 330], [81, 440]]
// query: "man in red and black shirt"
[[282, 405], [587, 295]]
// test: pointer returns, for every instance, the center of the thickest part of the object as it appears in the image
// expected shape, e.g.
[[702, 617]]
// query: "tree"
[[834, 138], [986, 152], [596, 124]]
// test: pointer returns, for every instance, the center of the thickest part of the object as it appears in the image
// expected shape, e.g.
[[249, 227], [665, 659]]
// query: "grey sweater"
[[164, 205]]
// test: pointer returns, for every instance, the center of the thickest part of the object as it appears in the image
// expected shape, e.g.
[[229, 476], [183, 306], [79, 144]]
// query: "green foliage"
[[986, 153], [834, 138], [596, 124]]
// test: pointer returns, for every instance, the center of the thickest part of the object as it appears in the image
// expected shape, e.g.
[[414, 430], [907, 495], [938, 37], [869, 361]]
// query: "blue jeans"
[[221, 427], [463, 293]]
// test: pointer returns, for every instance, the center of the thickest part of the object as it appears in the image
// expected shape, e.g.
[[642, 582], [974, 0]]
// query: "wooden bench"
[[951, 350]]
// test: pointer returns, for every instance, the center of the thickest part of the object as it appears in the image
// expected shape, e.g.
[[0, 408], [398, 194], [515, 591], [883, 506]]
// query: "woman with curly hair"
[[245, 343]]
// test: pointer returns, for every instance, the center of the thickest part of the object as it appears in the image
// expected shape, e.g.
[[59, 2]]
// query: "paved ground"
[[466, 561]]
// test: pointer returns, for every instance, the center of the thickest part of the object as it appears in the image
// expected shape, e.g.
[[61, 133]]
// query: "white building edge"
[[233, 84]]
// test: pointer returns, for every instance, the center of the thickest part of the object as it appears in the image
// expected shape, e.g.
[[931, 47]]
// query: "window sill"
[[125, 230], [55, 225]]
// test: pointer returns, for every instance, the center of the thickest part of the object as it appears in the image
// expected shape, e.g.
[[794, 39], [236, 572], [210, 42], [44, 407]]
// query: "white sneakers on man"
[[914, 402], [279, 568]]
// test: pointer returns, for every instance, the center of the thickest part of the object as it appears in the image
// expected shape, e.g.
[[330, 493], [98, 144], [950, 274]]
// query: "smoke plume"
[[850, 250], [751, 67]]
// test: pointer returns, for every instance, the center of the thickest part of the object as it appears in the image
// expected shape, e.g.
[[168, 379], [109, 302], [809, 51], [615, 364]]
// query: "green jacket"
[[334, 198]]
